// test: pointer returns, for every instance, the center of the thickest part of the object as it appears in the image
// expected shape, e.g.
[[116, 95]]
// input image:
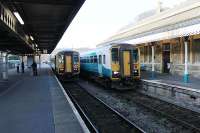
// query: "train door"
[[126, 63], [100, 65], [68, 63], [166, 58]]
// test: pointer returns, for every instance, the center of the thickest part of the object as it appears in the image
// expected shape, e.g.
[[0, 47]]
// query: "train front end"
[[125, 64], [68, 65]]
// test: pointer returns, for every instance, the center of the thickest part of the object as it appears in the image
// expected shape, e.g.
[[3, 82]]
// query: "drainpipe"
[[153, 62], [186, 74]]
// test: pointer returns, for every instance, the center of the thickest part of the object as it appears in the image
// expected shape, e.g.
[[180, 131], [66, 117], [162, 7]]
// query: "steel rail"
[[128, 122]]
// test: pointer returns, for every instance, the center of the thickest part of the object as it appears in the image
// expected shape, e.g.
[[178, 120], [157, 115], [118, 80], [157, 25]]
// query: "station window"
[[95, 59], [5, 18], [104, 59], [145, 54], [8, 20], [100, 59], [12, 24]]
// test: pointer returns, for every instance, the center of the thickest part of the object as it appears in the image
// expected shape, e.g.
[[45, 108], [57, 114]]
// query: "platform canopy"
[[180, 21], [45, 20]]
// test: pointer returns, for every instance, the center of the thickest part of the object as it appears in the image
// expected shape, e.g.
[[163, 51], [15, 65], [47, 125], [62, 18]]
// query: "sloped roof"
[[45, 20]]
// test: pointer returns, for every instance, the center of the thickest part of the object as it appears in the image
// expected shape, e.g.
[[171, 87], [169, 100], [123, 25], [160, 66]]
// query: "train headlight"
[[115, 73]]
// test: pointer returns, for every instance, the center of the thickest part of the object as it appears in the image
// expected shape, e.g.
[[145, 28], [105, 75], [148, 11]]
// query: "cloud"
[[99, 19]]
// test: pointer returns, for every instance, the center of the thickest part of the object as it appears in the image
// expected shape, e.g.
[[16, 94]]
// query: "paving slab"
[[36, 104], [171, 79]]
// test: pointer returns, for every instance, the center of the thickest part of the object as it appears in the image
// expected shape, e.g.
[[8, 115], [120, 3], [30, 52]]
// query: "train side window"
[[95, 59], [83, 60], [104, 59], [88, 59], [91, 59], [115, 54], [100, 59]]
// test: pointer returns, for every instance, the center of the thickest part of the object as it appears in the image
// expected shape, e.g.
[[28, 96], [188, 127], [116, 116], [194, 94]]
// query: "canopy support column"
[[153, 62], [186, 74]]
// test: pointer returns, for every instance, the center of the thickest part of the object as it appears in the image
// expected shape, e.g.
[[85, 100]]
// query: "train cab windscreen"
[[115, 63], [61, 59], [76, 59], [61, 63], [76, 63], [135, 63], [115, 55]]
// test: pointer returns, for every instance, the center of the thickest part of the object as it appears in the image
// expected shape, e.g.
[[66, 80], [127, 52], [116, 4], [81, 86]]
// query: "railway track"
[[100, 117], [185, 117]]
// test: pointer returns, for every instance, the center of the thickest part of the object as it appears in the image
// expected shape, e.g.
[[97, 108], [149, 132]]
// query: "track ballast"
[[99, 116]]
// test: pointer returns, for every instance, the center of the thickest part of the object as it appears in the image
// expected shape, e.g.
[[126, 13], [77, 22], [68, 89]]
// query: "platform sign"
[[44, 51]]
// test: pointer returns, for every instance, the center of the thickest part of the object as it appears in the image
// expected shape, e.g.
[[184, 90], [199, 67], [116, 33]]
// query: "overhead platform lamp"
[[186, 74], [31, 37], [19, 18]]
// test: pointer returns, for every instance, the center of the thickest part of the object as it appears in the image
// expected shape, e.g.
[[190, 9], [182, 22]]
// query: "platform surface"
[[171, 79], [36, 105]]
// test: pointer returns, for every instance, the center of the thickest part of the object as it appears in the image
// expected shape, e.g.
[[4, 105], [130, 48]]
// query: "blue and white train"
[[114, 65]]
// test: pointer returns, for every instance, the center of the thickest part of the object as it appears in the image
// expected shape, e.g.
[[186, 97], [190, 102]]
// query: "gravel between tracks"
[[147, 120]]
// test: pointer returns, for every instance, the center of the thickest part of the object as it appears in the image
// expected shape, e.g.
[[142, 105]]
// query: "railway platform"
[[170, 79], [172, 89], [37, 104]]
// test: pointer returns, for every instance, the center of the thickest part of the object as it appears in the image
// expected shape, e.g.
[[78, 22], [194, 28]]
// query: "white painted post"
[[5, 71], [186, 75], [40, 61], [153, 62]]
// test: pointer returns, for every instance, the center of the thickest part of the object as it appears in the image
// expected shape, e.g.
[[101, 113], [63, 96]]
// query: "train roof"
[[66, 51], [114, 44], [90, 53]]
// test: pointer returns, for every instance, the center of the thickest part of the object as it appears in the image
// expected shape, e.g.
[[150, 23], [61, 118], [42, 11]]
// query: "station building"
[[168, 41], [169, 56]]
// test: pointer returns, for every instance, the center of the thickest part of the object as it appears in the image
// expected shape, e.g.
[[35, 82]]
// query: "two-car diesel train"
[[114, 65], [66, 65]]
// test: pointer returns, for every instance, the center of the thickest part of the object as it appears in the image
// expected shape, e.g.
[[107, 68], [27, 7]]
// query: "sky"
[[97, 20]]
